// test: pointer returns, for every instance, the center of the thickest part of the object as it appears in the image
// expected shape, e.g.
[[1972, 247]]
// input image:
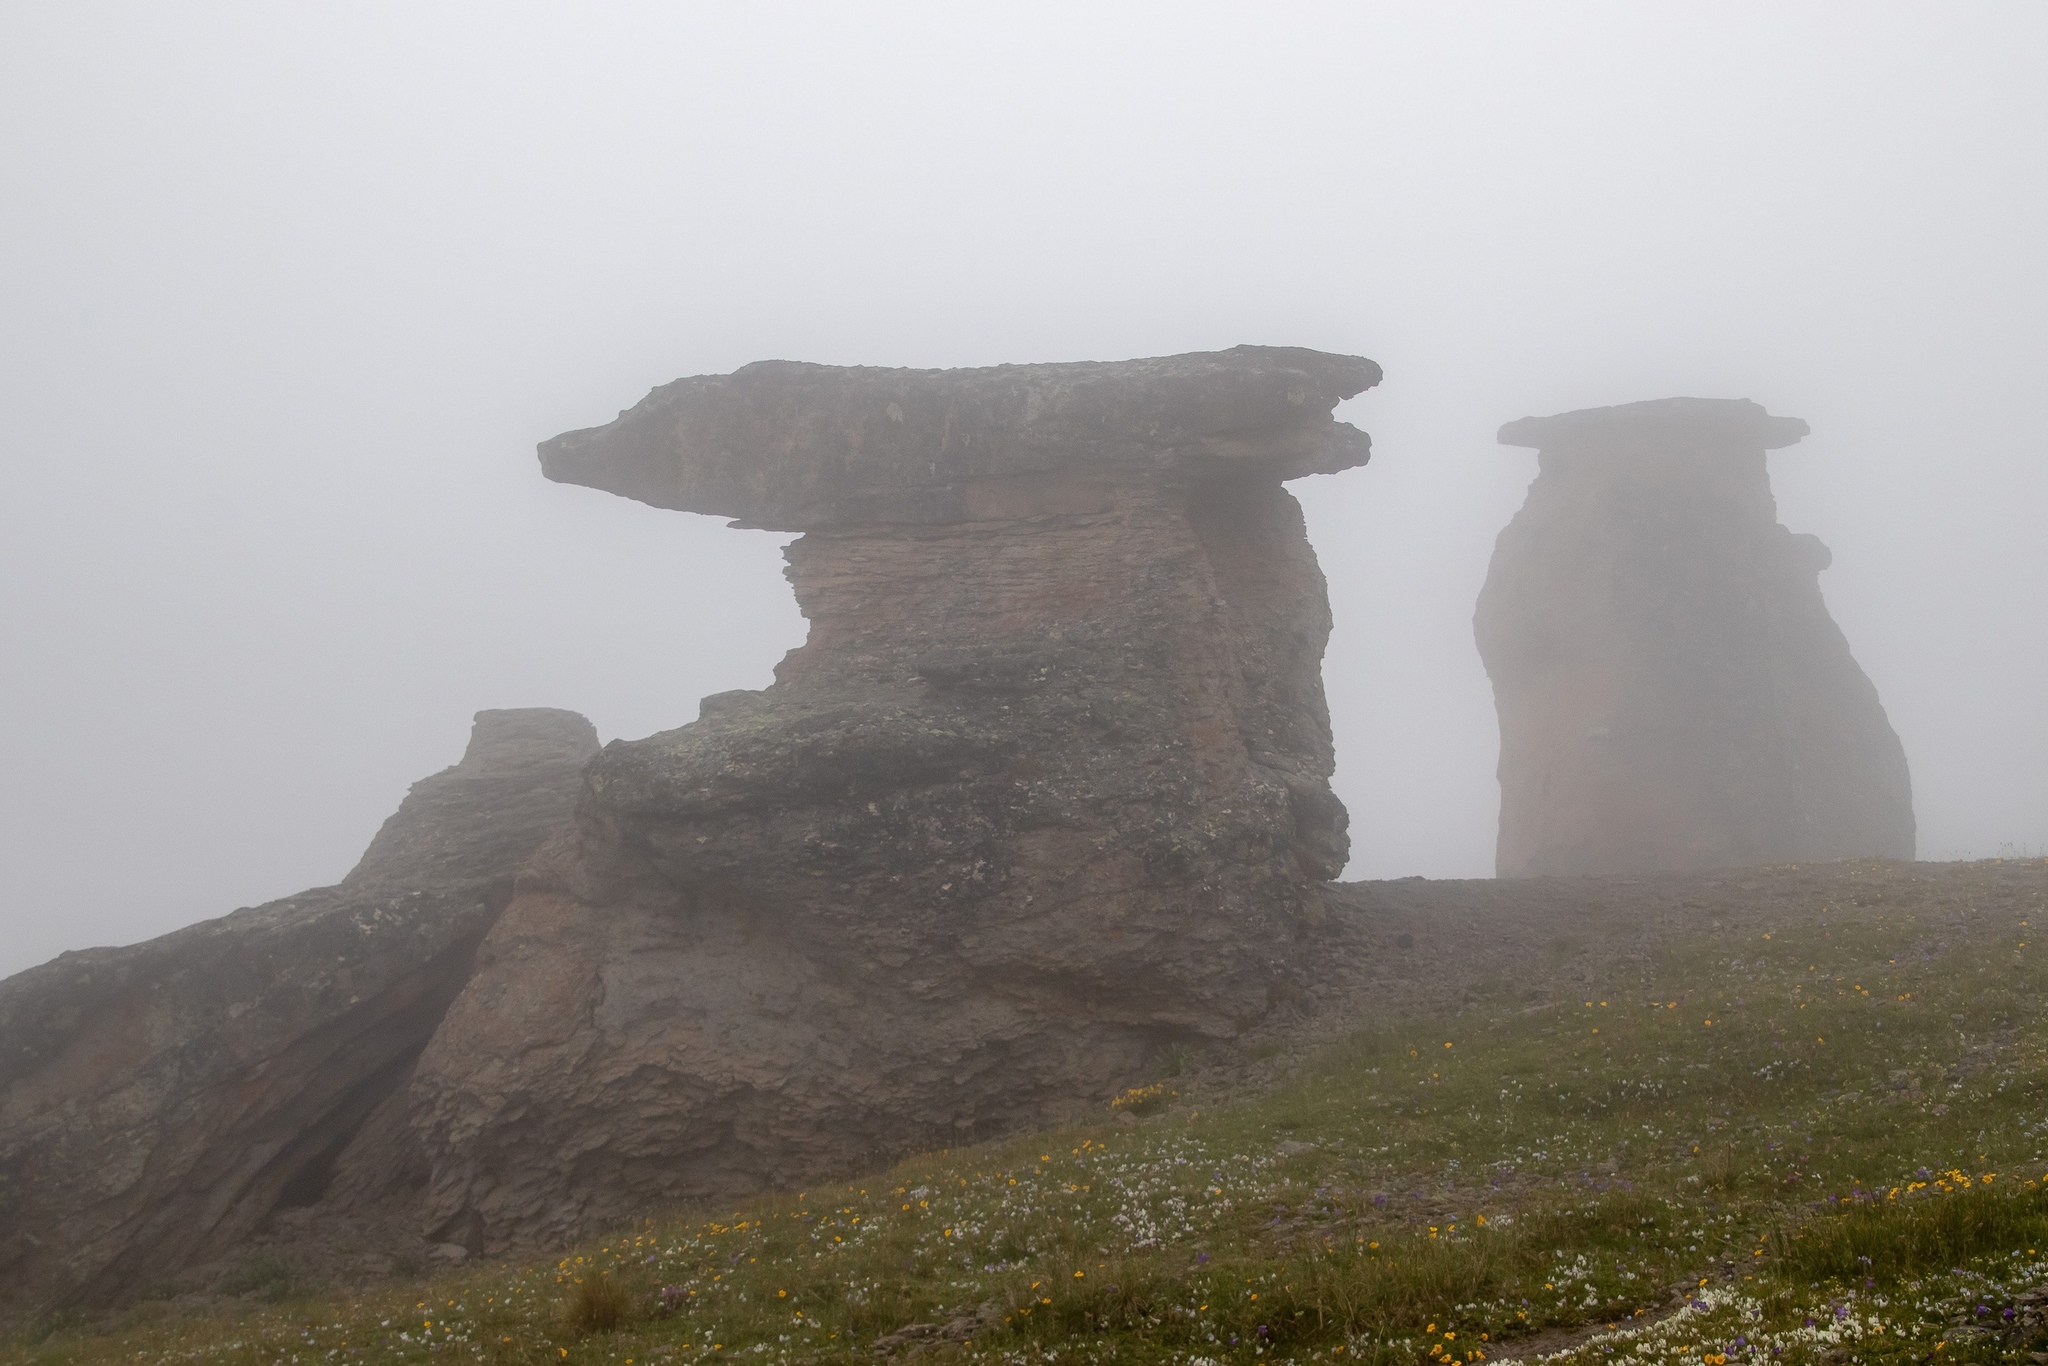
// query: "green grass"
[[1890, 1242], [1822, 1143]]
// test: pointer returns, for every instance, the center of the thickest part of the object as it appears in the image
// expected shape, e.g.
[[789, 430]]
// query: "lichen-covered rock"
[[158, 1102], [1045, 789], [1672, 691]]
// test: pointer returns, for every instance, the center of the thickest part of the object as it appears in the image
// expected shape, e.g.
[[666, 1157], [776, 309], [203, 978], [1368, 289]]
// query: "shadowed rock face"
[[1045, 788], [158, 1102], [1672, 691]]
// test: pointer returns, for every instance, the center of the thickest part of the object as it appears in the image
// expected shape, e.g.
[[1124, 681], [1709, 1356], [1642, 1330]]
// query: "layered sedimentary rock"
[[1672, 691], [1044, 790], [158, 1102]]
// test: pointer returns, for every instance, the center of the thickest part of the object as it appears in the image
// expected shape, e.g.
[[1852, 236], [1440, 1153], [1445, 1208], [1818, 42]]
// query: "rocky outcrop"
[[1045, 789], [159, 1102], [1672, 691]]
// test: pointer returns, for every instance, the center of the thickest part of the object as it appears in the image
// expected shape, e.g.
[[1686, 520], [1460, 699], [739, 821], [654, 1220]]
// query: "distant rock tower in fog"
[[1672, 691]]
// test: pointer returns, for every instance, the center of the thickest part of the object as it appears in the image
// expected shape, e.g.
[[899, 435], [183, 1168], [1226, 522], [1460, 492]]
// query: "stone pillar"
[[1045, 789], [1672, 691]]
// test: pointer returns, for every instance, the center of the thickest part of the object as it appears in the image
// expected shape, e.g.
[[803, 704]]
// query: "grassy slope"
[[1815, 1140]]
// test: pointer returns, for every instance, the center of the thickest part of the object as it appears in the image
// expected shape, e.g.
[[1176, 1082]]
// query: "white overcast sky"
[[289, 292]]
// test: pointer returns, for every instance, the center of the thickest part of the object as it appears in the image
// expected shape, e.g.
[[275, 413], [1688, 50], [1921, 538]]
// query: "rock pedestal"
[[159, 1102], [1045, 789], [1672, 691]]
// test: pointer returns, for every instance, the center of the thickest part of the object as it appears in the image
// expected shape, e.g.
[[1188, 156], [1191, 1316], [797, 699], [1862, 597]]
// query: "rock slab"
[[159, 1102], [1672, 692], [1045, 789]]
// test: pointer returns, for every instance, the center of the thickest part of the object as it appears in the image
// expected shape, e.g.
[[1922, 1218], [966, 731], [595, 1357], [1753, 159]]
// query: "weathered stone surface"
[[1045, 788], [1672, 691], [797, 447], [158, 1102]]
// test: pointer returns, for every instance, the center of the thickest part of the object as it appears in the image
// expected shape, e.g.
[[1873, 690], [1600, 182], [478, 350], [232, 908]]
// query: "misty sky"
[[289, 292]]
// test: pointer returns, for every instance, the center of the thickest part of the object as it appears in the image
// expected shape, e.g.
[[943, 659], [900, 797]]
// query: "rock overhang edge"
[[1739, 423]]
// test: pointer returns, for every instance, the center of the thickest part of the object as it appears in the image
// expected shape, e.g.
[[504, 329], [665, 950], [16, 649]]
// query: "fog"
[[288, 294]]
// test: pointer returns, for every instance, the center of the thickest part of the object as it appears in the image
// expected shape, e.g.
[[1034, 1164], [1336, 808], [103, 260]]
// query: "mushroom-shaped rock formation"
[[1672, 691], [1045, 789], [160, 1102]]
